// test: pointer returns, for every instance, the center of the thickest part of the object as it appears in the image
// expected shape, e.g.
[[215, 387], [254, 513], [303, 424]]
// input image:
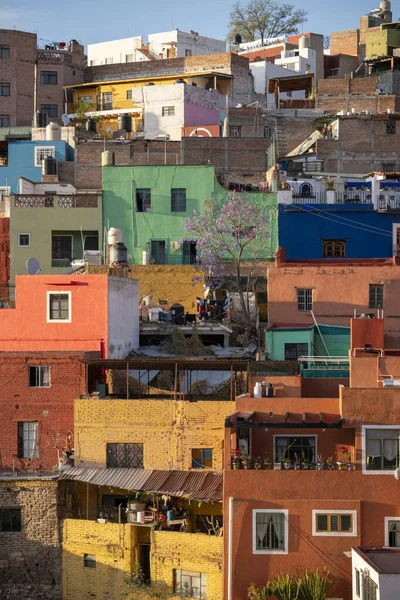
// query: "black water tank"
[[180, 81], [125, 122], [39, 119], [91, 125], [238, 39], [49, 166]]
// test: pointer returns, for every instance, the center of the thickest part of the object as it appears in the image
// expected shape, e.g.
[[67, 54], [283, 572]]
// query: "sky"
[[90, 21]]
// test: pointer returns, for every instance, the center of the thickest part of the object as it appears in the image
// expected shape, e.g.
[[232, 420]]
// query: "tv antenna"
[[33, 266]]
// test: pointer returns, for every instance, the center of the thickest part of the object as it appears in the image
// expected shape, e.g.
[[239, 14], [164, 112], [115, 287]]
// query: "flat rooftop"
[[382, 560]]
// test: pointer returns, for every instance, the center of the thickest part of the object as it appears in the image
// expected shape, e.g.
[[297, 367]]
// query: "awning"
[[306, 145], [205, 486]]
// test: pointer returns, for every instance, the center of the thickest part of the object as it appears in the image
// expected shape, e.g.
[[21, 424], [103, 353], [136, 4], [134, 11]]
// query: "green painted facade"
[[42, 223], [278, 342], [142, 231]]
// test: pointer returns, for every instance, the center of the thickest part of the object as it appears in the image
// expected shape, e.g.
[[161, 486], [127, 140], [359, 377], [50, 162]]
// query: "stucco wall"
[[123, 316]]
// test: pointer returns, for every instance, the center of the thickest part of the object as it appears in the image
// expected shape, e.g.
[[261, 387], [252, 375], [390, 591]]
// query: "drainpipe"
[[230, 548], [35, 87]]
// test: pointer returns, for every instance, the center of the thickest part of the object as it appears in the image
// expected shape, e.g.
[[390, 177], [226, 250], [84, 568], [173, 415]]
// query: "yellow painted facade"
[[168, 430], [380, 42]]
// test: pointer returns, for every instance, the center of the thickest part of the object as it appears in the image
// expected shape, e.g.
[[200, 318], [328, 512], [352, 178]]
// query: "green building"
[[53, 229], [150, 203]]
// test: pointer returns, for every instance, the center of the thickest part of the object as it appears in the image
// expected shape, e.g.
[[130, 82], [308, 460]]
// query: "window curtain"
[[389, 439], [279, 525], [263, 521], [275, 523]]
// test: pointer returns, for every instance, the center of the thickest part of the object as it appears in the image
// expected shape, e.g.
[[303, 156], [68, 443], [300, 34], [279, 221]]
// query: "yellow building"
[[381, 41], [144, 497]]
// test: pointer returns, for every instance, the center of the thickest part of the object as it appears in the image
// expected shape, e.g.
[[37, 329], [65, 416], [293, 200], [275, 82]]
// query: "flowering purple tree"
[[230, 242]]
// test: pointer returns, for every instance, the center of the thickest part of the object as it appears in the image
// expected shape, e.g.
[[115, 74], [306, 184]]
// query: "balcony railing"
[[388, 201], [247, 463], [54, 57], [317, 198], [47, 201], [104, 105]]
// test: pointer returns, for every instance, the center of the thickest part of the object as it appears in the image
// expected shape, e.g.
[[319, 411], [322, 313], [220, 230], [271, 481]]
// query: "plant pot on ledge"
[[341, 465], [277, 466], [350, 467]]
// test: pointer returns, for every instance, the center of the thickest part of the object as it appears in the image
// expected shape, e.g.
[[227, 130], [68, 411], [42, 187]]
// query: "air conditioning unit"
[[175, 245]]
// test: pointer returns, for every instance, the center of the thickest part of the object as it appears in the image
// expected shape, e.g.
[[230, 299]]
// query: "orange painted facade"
[[365, 493], [339, 287]]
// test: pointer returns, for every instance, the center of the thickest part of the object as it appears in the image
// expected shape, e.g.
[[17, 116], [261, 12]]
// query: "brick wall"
[[189, 552], [168, 429], [345, 42], [30, 560], [51, 407]]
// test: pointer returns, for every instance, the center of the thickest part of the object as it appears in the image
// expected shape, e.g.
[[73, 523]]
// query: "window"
[[390, 127], [59, 307], [202, 458], [375, 295], [129, 58], [261, 298], [107, 100], [357, 580], [333, 73], [369, 588], [189, 252], [188, 52], [61, 250], [89, 561], [382, 449], [178, 200], [235, 131], [39, 376], [306, 190], [268, 132], [392, 532], [270, 531], [91, 242], [48, 77], [42, 152], [301, 446], [334, 248], [85, 99], [4, 120], [342, 523], [129, 94], [294, 351], [4, 89], [51, 110], [190, 584], [168, 111], [4, 51], [143, 199], [304, 300], [125, 456], [28, 439], [10, 520], [24, 240], [388, 167], [158, 254]]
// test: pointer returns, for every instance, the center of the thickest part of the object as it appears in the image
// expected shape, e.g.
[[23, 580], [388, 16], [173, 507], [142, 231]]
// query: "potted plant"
[[297, 462], [247, 463], [320, 462], [287, 462], [330, 463], [277, 466], [258, 463], [267, 463], [342, 456], [305, 462], [236, 459], [349, 465]]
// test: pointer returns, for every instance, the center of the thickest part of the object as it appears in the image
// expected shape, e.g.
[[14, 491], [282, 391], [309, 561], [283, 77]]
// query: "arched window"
[[306, 189], [334, 248]]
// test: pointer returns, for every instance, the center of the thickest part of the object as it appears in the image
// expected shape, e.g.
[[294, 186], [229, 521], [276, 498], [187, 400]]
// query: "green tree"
[[264, 19]]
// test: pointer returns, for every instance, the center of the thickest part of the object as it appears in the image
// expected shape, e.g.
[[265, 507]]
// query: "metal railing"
[[54, 57], [171, 259], [322, 362], [388, 201], [316, 198], [354, 197], [47, 201], [103, 105]]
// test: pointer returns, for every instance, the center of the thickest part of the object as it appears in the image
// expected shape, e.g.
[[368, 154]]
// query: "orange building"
[[328, 485], [72, 313]]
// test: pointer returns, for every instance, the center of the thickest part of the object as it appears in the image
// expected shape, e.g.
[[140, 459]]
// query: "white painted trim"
[[274, 511], [366, 471], [387, 519], [333, 511], [395, 227], [54, 292], [24, 245], [35, 150], [295, 435]]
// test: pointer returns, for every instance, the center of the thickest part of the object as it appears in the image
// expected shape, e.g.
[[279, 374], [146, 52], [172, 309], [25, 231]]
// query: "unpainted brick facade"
[[358, 94], [51, 407], [30, 560]]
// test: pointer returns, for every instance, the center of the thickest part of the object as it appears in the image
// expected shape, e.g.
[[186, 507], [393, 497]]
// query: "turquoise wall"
[[139, 228], [277, 338]]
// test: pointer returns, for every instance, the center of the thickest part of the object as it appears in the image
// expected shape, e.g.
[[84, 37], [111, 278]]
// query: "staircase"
[[145, 51], [280, 136]]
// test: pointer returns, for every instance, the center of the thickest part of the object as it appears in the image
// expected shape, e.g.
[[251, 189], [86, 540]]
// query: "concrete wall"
[[123, 316], [198, 45], [31, 559], [168, 430], [117, 50]]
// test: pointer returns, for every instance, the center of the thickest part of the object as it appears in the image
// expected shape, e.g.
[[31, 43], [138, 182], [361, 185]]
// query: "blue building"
[[22, 158], [362, 223]]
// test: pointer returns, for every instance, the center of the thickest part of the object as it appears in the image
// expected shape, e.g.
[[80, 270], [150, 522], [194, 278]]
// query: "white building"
[[168, 109], [376, 573], [169, 44]]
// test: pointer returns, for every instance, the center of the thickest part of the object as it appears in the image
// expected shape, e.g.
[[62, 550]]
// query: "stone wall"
[[30, 560]]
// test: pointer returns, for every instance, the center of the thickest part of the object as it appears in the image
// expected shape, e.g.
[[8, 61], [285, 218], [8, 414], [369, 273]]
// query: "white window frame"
[[24, 245], [274, 511], [46, 150], [333, 511], [39, 367], [387, 519], [295, 435], [53, 293], [366, 471], [395, 227]]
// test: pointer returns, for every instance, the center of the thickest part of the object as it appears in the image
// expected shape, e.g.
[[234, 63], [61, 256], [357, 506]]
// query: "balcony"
[[64, 201], [54, 57], [388, 201], [106, 107]]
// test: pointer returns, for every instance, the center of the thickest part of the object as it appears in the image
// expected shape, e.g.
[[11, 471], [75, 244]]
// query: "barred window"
[[235, 131], [143, 199], [42, 152], [48, 77], [125, 456], [334, 248], [369, 588], [59, 308], [304, 299], [390, 127], [178, 200], [168, 111], [375, 295]]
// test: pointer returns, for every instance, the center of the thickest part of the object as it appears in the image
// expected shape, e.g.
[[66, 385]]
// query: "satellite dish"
[[65, 119], [33, 266]]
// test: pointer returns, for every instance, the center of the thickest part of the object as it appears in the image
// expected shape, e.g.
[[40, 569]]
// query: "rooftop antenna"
[[33, 266]]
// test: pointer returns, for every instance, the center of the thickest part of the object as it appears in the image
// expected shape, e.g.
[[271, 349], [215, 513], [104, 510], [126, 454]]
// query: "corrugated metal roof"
[[196, 485], [10, 132]]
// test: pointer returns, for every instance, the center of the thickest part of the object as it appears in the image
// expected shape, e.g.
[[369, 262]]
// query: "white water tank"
[[304, 42], [114, 236], [53, 132], [145, 257], [107, 159], [258, 390]]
